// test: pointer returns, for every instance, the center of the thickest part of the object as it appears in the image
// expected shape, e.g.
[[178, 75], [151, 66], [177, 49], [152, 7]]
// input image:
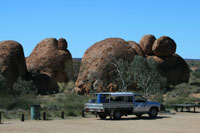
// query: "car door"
[[140, 104]]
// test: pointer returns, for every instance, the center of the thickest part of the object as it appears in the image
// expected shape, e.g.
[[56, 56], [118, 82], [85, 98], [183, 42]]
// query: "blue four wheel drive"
[[117, 104]]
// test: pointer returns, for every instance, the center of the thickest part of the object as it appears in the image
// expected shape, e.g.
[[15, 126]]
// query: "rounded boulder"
[[137, 48], [12, 61], [146, 43], [174, 68], [97, 63], [164, 46]]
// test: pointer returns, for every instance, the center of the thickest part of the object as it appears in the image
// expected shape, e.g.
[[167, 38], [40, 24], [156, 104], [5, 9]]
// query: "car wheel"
[[102, 116], [117, 115], [153, 112]]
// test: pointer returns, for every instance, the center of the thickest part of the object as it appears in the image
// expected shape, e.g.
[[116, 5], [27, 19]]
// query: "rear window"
[[121, 99]]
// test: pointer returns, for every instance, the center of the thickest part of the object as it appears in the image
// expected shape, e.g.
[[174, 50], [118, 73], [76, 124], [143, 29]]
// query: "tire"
[[117, 115], [102, 116], [139, 115], [153, 112]]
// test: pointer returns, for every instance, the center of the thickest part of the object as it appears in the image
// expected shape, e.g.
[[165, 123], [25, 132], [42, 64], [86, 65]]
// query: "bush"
[[22, 87], [196, 73], [72, 113], [71, 103], [183, 90], [148, 78], [9, 102], [21, 97], [180, 94], [3, 84], [66, 87], [180, 100]]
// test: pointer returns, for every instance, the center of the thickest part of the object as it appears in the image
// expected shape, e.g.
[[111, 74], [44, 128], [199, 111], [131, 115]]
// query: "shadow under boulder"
[[45, 84]]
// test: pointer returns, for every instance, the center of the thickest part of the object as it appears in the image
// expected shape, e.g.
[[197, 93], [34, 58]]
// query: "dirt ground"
[[165, 123]]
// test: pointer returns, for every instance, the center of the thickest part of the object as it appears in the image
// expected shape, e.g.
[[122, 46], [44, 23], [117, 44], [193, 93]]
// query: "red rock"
[[164, 46], [96, 62], [137, 48], [174, 68], [146, 43], [50, 57], [112, 87], [12, 61], [62, 44]]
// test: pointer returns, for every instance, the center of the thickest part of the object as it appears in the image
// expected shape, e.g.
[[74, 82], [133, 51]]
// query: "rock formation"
[[174, 68], [96, 64], [12, 61], [164, 46], [146, 43], [137, 48], [49, 58], [98, 74]]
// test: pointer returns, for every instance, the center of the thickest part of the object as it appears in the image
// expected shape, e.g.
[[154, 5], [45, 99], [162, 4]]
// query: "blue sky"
[[84, 22]]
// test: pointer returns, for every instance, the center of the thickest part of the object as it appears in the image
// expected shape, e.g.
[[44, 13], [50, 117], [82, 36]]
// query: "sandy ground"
[[173, 123]]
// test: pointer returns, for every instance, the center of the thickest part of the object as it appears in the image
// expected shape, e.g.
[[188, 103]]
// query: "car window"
[[139, 99], [128, 99]]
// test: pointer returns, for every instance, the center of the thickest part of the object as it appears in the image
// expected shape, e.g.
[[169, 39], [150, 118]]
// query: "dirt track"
[[179, 123]]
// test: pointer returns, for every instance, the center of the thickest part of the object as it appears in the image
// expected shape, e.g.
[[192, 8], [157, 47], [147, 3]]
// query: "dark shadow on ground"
[[188, 112], [137, 118], [195, 83]]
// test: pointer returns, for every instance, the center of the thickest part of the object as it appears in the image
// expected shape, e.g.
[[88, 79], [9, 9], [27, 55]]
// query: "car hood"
[[154, 103]]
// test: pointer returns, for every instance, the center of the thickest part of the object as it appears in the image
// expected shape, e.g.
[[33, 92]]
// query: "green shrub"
[[66, 87], [180, 94], [148, 78], [181, 90], [3, 84], [6, 100], [72, 113], [71, 103], [180, 100], [22, 87], [196, 73]]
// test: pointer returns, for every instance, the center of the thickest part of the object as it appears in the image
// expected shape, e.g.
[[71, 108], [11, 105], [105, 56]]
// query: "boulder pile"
[[47, 64], [170, 64], [97, 73]]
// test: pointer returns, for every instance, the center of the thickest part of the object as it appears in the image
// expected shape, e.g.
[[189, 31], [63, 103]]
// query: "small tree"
[[144, 73], [124, 71], [147, 77], [22, 87]]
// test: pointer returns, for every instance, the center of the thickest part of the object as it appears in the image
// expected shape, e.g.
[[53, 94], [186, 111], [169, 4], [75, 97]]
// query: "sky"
[[85, 22]]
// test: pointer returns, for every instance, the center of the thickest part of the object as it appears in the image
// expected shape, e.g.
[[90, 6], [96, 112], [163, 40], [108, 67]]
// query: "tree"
[[147, 77], [124, 71], [144, 73], [22, 87]]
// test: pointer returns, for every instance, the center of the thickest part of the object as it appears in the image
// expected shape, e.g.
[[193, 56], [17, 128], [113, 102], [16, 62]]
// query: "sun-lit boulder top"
[[118, 93]]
